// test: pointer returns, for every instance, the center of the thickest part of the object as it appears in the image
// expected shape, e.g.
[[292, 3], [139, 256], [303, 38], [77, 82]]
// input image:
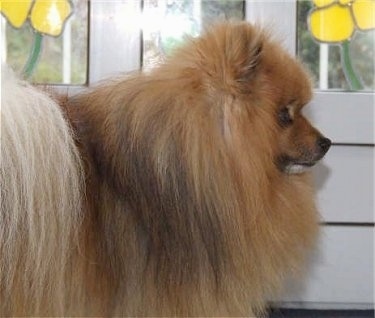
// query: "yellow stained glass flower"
[[45, 16], [323, 3], [16, 11], [364, 14], [335, 21]]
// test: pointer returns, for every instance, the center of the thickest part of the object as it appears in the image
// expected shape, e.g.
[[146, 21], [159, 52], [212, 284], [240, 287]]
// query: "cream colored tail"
[[41, 183]]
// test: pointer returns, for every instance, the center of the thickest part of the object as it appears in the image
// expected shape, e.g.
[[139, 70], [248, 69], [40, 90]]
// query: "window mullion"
[[115, 38], [280, 16]]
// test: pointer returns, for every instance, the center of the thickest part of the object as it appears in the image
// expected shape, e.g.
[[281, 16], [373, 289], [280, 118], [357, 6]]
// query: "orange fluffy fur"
[[186, 212]]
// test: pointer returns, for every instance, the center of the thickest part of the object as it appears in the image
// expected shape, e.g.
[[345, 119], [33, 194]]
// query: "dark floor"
[[298, 313]]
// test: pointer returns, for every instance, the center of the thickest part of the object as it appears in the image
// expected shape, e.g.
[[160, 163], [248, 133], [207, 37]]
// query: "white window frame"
[[114, 41], [114, 37]]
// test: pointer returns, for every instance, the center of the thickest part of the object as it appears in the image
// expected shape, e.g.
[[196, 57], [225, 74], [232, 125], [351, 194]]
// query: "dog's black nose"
[[324, 144]]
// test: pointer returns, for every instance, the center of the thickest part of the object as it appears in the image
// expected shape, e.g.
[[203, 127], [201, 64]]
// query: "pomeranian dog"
[[180, 192]]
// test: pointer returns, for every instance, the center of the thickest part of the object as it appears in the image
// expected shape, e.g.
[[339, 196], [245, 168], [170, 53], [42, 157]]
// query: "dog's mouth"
[[306, 159], [290, 165], [298, 167]]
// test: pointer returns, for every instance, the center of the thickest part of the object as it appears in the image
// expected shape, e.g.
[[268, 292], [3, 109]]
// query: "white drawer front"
[[345, 184], [341, 273]]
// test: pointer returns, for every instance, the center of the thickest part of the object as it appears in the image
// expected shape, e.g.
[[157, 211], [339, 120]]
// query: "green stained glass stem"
[[34, 55], [352, 78]]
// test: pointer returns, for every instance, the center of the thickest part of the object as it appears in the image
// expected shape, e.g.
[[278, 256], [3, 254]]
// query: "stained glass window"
[[336, 39], [46, 40]]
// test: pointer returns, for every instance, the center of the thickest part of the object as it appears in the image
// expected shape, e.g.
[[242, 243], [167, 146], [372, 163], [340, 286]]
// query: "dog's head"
[[301, 145], [258, 91]]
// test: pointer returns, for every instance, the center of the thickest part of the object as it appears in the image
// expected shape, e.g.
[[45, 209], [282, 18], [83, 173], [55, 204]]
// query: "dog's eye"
[[284, 116]]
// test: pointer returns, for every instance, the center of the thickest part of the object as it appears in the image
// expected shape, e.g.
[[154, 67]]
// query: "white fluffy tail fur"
[[41, 188]]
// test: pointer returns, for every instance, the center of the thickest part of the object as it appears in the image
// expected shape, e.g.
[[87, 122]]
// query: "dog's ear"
[[229, 54], [243, 51]]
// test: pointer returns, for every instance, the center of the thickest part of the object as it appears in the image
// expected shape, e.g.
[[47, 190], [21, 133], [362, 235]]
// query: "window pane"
[[62, 58], [337, 42], [167, 21]]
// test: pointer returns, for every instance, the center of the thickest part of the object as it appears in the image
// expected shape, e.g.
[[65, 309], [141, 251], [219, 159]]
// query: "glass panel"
[[46, 40], [336, 40], [167, 21]]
